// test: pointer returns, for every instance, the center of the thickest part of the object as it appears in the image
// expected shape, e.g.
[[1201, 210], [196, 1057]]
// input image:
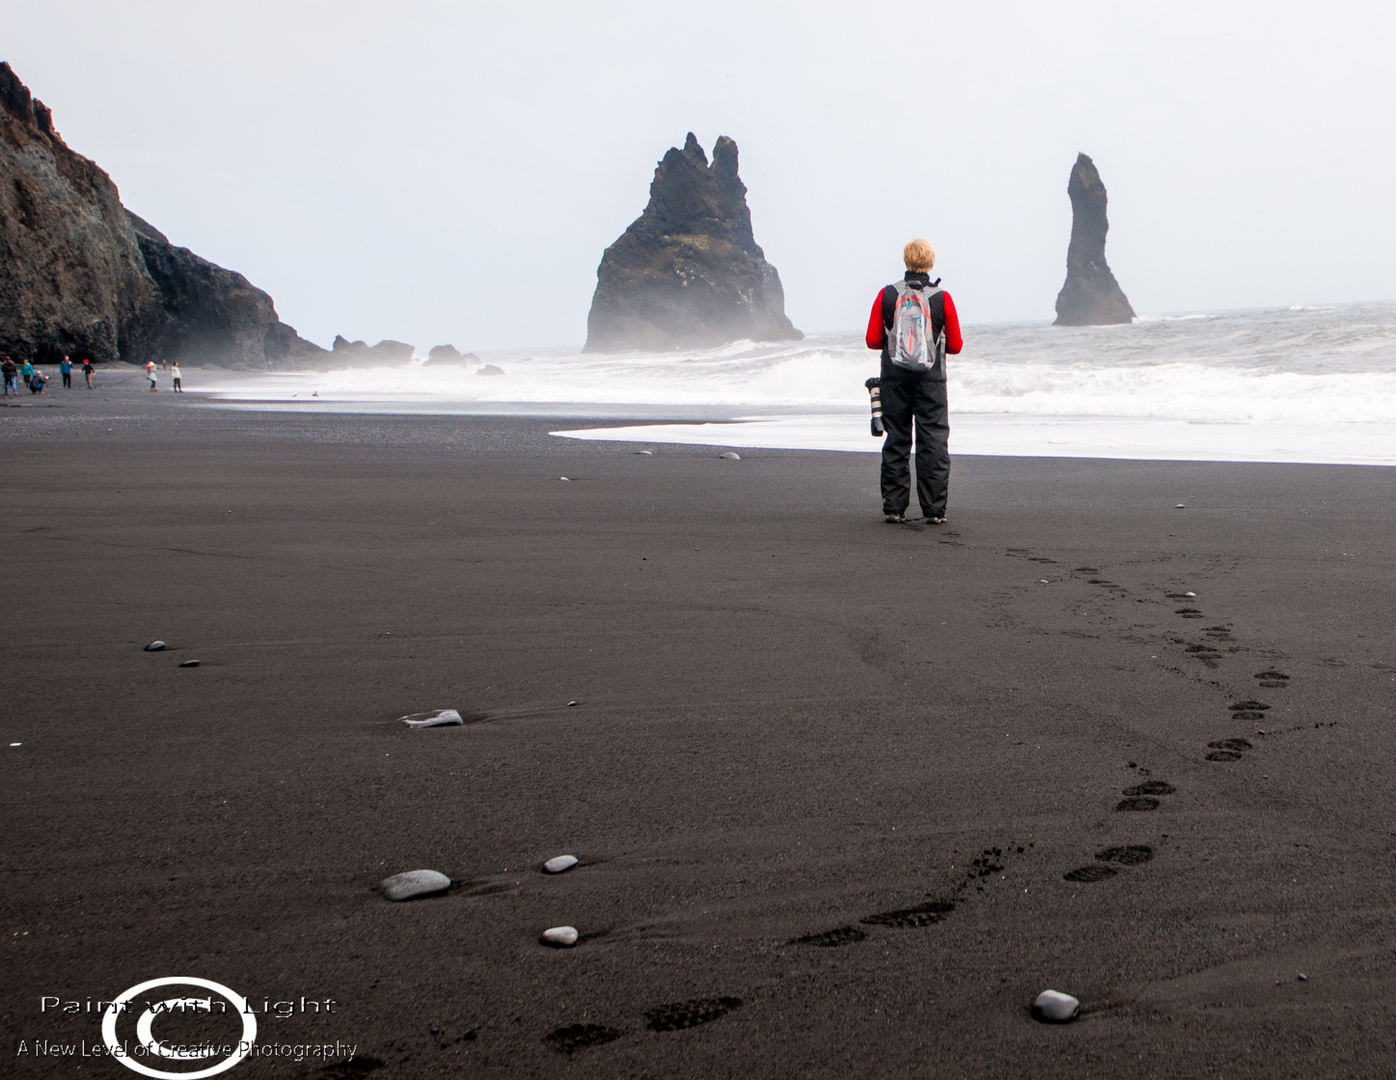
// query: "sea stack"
[[83, 276], [688, 272], [1091, 295]]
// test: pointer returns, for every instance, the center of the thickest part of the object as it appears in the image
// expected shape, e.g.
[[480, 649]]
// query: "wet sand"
[[792, 721]]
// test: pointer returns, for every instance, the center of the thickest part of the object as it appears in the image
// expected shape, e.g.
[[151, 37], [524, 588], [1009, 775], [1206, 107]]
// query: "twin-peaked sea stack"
[[1091, 295], [688, 272]]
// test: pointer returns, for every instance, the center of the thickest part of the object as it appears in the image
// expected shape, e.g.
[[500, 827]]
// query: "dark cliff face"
[[82, 276], [213, 315], [688, 272], [72, 279], [1091, 295]]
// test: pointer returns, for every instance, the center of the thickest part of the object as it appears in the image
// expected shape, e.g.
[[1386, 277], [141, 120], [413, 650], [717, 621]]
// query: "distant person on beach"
[[11, 373], [174, 374], [914, 323], [87, 371], [65, 368], [150, 374]]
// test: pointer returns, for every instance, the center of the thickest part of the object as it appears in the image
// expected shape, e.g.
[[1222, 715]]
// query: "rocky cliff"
[[79, 275], [1091, 295], [688, 272]]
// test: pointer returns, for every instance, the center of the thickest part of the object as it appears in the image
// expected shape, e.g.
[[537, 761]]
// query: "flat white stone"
[[1055, 1008], [435, 718], [644, 453], [414, 883], [155, 646], [1190, 595], [730, 456], [1044, 581], [560, 863], [564, 937]]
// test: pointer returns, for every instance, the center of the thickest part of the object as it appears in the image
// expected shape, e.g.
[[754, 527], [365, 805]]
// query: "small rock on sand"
[[560, 863], [731, 455], [1052, 1007], [414, 883], [560, 937], [189, 663], [155, 646], [434, 718], [644, 453]]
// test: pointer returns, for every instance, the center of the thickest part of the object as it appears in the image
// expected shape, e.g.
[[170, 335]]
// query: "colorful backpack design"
[[912, 342]]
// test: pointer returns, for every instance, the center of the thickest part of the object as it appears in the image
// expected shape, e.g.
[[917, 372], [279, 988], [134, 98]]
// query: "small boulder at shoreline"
[[490, 369], [414, 883]]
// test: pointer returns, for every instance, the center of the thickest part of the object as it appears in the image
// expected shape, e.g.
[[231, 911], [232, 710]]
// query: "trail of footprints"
[[1138, 798]]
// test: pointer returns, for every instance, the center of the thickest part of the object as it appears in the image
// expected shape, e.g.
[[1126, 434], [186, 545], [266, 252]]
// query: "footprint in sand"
[[1189, 612], [678, 1015], [1249, 710], [1090, 874], [1128, 855], [1136, 805], [576, 1037], [1150, 787], [1227, 749], [831, 939], [1273, 680], [927, 914]]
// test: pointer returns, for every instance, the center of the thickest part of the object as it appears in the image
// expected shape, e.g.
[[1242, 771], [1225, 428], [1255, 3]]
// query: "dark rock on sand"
[[688, 272], [414, 883], [443, 355], [1091, 295], [80, 276]]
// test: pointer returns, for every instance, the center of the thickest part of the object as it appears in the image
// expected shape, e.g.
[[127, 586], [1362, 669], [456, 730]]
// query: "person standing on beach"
[[150, 374], [65, 368], [914, 324], [174, 374], [26, 373], [11, 373], [87, 371]]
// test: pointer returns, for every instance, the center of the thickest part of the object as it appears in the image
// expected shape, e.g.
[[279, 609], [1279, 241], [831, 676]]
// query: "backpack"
[[912, 341]]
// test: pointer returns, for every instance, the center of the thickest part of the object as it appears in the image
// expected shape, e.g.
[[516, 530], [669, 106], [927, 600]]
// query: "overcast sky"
[[451, 172]]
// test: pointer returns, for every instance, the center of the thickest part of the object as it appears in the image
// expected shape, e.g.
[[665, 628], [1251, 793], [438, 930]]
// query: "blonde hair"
[[919, 255]]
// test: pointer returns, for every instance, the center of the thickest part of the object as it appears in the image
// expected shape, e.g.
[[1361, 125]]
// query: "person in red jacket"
[[914, 324]]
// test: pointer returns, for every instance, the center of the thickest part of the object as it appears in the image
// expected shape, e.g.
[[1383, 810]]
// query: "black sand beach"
[[791, 720]]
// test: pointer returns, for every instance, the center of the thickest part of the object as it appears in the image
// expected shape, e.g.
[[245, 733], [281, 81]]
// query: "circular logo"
[[146, 1036]]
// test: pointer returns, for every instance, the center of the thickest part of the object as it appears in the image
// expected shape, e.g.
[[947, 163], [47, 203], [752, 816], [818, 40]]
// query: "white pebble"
[[560, 863], [435, 718], [644, 453], [730, 456], [564, 937], [155, 646], [567, 478], [1190, 595], [16, 744], [1054, 1008], [1044, 581], [1180, 506], [413, 883]]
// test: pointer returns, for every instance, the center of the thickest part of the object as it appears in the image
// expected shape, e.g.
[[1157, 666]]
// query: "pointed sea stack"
[[1091, 295], [688, 272]]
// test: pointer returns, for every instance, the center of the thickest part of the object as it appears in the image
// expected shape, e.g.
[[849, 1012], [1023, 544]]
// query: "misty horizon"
[[404, 179]]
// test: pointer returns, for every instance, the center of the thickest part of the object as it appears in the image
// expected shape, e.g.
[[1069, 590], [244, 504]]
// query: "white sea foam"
[[1328, 370]]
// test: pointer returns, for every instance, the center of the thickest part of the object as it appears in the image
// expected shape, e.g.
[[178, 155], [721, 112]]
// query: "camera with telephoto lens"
[[874, 386]]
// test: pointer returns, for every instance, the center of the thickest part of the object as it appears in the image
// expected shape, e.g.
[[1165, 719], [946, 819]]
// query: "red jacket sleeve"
[[877, 334], [953, 341]]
